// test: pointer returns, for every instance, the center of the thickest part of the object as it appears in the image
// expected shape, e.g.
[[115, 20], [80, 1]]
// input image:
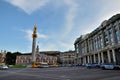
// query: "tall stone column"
[[113, 53], [34, 36]]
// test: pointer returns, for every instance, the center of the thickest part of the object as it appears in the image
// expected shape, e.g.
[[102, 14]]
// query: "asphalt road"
[[60, 73]]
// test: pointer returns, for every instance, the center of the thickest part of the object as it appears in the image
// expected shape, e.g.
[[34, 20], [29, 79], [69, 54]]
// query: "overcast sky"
[[59, 22]]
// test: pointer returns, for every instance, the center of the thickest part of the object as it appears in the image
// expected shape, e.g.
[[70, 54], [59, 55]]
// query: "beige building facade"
[[68, 57], [101, 45]]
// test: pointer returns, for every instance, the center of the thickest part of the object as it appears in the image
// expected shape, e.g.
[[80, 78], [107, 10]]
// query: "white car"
[[110, 66], [3, 67], [44, 65]]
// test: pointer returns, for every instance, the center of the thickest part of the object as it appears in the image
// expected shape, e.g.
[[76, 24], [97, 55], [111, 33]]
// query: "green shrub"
[[18, 66]]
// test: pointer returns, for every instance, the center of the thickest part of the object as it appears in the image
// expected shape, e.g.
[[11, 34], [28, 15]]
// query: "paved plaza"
[[60, 73]]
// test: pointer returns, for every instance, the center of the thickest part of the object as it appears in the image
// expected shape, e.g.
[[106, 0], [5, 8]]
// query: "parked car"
[[90, 65], [78, 65], [3, 67], [97, 65], [93, 65], [110, 66]]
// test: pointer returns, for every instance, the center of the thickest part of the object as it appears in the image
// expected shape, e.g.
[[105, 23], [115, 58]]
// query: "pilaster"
[[102, 57], [109, 57], [113, 53]]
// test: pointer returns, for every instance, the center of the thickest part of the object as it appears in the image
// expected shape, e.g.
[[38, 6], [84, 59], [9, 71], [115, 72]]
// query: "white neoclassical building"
[[101, 45]]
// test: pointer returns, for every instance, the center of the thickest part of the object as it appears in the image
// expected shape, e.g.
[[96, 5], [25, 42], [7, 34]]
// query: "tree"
[[11, 57]]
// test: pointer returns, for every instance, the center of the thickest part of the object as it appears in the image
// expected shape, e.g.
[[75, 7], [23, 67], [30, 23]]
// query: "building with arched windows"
[[101, 45], [27, 59], [44, 56]]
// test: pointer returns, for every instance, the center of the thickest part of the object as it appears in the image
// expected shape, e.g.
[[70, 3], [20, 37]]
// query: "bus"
[[40, 65]]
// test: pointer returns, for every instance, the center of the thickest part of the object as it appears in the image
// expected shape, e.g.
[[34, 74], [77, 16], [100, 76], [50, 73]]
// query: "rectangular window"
[[101, 41], [77, 51], [106, 38], [117, 34], [111, 36]]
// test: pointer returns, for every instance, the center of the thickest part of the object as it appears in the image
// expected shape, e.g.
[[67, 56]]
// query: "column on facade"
[[80, 60], [94, 58], [77, 59], [99, 58], [88, 58], [102, 57], [113, 54], [109, 57], [84, 59]]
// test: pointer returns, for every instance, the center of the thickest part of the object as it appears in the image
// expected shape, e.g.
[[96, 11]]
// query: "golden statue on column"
[[3, 57]]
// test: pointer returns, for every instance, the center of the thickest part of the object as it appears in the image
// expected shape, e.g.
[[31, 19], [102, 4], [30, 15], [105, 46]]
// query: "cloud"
[[47, 47], [42, 36], [30, 32], [70, 16], [112, 8], [65, 45], [54, 46], [33, 5], [96, 14], [28, 6]]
